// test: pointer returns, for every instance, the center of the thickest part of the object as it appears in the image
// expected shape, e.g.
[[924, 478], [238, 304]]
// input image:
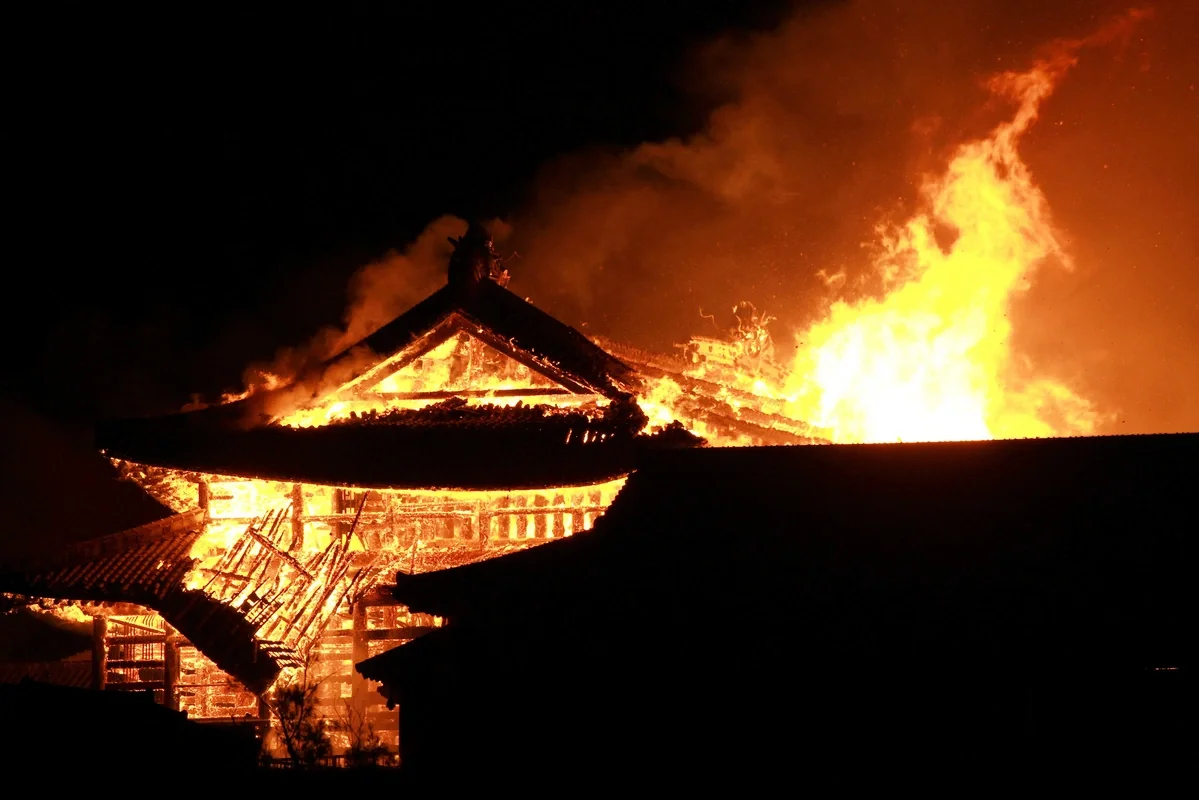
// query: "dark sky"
[[214, 182], [196, 191]]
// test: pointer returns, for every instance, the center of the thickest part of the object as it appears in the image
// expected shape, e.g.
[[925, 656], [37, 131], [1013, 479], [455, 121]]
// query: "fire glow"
[[932, 360]]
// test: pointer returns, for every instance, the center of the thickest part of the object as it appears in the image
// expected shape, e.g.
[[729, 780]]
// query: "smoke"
[[829, 127], [382, 290], [377, 293], [823, 133]]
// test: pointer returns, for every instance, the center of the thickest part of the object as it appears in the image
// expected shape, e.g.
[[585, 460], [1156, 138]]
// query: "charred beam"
[[99, 652], [447, 394]]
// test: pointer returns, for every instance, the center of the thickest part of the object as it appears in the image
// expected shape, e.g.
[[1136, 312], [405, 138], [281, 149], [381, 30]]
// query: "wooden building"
[[471, 426]]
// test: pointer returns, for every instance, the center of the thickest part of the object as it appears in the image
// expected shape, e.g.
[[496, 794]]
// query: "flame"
[[932, 360], [67, 612], [461, 366], [258, 381]]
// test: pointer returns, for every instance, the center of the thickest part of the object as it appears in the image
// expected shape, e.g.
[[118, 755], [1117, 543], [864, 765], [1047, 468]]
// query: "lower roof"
[[147, 566], [1082, 542]]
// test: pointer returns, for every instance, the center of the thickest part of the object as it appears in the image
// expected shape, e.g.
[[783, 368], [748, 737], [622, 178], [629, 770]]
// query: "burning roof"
[[444, 444], [148, 565]]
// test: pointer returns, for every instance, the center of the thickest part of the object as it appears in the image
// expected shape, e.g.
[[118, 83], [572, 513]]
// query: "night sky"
[[215, 182], [197, 191]]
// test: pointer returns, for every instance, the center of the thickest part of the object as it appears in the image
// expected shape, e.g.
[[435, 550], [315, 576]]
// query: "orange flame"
[[932, 360]]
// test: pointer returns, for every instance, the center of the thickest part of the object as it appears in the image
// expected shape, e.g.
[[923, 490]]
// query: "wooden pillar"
[[359, 653], [539, 521], [558, 518], [577, 520], [170, 674], [340, 528], [522, 525], [99, 652], [297, 516], [505, 520], [202, 495], [264, 717], [482, 524]]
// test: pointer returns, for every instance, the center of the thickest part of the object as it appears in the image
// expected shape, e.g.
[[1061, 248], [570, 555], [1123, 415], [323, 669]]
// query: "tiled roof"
[[76, 672], [1075, 540], [513, 326], [147, 566]]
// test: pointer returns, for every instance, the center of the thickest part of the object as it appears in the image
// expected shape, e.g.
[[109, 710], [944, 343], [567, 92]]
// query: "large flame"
[[932, 360]]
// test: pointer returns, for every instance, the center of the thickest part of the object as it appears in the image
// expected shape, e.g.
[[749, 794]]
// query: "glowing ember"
[[932, 359]]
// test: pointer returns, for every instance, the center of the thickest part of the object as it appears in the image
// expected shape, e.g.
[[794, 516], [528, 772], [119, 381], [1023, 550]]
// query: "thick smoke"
[[822, 134], [830, 125], [378, 293]]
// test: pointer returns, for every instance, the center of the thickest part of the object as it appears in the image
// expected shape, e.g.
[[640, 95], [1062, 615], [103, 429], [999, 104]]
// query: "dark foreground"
[[967, 616]]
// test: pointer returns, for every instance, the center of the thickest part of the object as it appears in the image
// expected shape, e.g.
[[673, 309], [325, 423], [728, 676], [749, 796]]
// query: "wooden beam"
[[140, 639], [448, 393], [135, 625], [99, 652], [396, 634], [135, 663], [133, 686], [297, 517], [437, 335]]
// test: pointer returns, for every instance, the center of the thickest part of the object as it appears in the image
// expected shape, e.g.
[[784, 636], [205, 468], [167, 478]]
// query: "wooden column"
[[99, 652], [264, 714], [539, 522], [340, 529], [505, 520], [170, 674], [360, 652], [297, 516], [558, 520], [482, 524], [202, 495], [577, 500]]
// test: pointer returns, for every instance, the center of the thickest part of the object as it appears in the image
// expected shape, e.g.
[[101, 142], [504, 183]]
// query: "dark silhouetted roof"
[[36, 636], [57, 489], [1077, 546], [73, 672], [108, 730], [471, 448]]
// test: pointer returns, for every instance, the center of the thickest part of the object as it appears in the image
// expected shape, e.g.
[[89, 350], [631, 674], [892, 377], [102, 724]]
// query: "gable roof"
[[212, 439], [511, 325]]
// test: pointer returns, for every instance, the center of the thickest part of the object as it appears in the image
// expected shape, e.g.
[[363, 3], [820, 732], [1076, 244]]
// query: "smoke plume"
[[823, 133], [831, 124], [378, 292]]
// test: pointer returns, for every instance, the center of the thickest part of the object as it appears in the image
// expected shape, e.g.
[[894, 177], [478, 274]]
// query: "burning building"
[[471, 426], [475, 425]]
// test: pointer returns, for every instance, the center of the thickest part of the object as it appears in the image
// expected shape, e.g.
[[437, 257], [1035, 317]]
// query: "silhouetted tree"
[[303, 733], [365, 747]]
